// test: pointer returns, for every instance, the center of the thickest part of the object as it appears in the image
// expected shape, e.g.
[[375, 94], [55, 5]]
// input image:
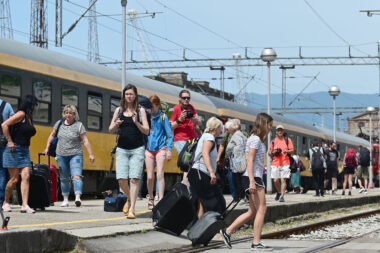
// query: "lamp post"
[[268, 55], [370, 109], [334, 92], [124, 43]]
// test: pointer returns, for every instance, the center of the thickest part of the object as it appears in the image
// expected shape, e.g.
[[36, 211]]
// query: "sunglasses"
[[185, 98]]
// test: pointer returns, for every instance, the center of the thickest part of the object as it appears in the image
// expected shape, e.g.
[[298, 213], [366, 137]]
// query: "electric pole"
[[93, 41], [39, 23], [6, 30]]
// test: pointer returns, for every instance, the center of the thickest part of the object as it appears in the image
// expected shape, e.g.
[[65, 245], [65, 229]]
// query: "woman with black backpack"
[[131, 121]]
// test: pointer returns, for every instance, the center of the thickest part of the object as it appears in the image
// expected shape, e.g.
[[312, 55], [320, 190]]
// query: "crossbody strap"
[[1, 110], [59, 126]]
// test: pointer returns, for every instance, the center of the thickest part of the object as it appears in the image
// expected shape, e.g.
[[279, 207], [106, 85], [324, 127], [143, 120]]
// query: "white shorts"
[[280, 171]]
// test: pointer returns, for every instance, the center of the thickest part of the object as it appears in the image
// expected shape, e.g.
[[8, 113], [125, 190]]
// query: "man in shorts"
[[183, 122], [331, 157], [363, 172], [279, 150]]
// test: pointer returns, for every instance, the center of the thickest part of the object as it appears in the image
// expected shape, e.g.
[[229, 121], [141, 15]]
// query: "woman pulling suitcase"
[[205, 192], [256, 151]]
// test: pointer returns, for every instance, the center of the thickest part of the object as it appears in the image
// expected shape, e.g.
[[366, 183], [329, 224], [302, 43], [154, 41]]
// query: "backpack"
[[350, 159], [364, 157], [3, 140], [239, 157], [186, 156], [317, 161]]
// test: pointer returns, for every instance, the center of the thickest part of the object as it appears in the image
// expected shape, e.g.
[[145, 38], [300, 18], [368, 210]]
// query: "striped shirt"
[[254, 142]]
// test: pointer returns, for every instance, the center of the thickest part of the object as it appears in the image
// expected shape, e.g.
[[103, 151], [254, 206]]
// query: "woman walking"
[[131, 121], [18, 130], [159, 148], [71, 134], [206, 195], [256, 151]]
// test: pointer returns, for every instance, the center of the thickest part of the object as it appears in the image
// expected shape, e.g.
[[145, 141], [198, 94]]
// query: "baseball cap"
[[280, 127]]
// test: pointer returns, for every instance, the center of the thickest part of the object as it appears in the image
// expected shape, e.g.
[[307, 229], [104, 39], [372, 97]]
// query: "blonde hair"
[[70, 108], [212, 124]]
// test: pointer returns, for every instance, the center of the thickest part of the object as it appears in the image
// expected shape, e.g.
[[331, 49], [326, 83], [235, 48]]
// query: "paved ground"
[[90, 220]]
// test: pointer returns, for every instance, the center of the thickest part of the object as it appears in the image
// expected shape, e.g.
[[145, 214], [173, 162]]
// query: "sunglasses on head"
[[185, 98]]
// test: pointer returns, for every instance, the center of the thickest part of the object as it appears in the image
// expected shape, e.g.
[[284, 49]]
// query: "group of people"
[[18, 129]]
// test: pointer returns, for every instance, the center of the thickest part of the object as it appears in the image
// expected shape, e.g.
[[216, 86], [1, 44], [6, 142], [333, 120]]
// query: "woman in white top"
[[205, 193], [256, 151]]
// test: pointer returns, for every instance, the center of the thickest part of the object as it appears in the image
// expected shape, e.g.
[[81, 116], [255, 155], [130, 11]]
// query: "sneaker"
[[27, 209], [343, 193], [260, 246], [226, 238], [365, 192], [78, 202], [282, 199], [349, 193], [65, 203], [333, 193], [6, 207], [361, 190], [277, 196]]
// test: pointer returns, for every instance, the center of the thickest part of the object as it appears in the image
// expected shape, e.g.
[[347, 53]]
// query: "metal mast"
[[241, 90], [148, 58], [93, 41], [39, 23], [6, 30]]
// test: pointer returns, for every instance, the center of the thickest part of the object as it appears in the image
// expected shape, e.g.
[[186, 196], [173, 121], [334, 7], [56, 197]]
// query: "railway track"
[[293, 230]]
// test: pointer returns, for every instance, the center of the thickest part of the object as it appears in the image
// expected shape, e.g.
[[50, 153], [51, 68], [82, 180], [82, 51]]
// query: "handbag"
[[54, 141]]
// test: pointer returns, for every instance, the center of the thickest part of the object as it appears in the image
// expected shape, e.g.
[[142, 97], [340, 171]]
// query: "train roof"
[[12, 48], [51, 58]]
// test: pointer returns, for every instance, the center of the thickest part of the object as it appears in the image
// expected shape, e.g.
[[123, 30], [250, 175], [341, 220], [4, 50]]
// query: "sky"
[[219, 28]]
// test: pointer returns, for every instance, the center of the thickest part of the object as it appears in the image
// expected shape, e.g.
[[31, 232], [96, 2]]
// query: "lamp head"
[[370, 109], [334, 91], [268, 55]]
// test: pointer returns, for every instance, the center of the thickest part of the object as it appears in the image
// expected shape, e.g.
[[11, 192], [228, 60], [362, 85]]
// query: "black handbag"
[[54, 141]]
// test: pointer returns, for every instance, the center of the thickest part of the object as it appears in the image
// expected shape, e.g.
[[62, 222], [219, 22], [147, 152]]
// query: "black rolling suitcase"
[[175, 211], [208, 226], [39, 186]]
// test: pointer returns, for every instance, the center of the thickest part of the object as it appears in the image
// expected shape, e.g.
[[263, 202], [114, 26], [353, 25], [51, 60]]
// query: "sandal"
[[126, 207], [131, 215], [150, 204]]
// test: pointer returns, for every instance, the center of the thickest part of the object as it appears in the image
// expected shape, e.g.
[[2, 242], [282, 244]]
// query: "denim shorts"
[[129, 162], [20, 158], [178, 145]]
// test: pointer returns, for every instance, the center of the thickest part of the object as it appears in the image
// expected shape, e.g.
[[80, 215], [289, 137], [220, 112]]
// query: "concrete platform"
[[90, 221]]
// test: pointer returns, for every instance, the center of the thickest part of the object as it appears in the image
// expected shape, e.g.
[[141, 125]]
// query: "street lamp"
[[334, 92], [370, 109], [124, 43], [268, 55]]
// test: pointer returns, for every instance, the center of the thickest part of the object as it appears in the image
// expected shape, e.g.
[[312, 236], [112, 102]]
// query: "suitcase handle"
[[39, 157], [235, 203]]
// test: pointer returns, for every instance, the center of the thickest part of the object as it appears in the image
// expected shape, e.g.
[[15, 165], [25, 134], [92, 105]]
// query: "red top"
[[282, 159], [186, 130]]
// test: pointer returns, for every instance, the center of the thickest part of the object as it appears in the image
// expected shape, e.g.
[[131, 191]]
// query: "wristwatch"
[[178, 121]]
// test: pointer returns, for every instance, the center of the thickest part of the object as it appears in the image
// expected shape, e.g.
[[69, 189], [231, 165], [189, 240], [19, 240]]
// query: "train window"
[[42, 91], [10, 90], [94, 111], [69, 96], [115, 103]]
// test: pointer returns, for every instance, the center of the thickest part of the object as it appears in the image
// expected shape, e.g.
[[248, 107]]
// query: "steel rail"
[[288, 231]]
